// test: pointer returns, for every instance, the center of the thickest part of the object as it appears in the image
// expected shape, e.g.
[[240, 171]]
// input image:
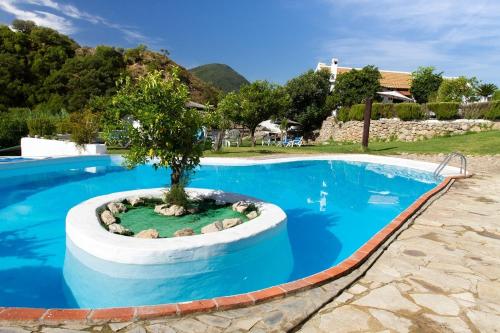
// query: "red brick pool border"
[[54, 316]]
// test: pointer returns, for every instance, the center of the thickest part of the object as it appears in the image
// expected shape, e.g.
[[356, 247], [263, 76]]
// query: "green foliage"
[[455, 90], [444, 111], [496, 96], [486, 89], [357, 112], [308, 96], [425, 83], [176, 195], [134, 55], [220, 76], [343, 114], [84, 127], [13, 126], [475, 110], [493, 113], [167, 135], [48, 72], [409, 111], [84, 77], [255, 103], [42, 124], [383, 110], [356, 86]]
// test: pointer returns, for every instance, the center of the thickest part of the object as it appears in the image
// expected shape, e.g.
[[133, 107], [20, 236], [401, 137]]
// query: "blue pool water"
[[333, 208]]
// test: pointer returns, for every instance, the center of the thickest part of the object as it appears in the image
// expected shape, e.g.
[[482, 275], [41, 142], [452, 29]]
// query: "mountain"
[[220, 76]]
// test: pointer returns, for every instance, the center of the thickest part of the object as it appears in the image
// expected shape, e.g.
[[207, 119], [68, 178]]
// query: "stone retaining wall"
[[395, 129]]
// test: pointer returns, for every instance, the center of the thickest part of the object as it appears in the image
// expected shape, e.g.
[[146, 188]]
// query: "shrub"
[[496, 96], [41, 124], [343, 114], [493, 113], [84, 127], [445, 110], [409, 111], [475, 110], [383, 110], [13, 126], [356, 112], [177, 196]]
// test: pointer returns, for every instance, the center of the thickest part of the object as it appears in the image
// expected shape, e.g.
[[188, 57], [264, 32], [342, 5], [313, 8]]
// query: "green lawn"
[[484, 143]]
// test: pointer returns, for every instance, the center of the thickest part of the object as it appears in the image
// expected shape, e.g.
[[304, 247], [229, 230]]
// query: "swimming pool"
[[333, 207]]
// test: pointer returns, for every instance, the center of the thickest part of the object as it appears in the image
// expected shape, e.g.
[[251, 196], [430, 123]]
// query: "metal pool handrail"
[[444, 163]]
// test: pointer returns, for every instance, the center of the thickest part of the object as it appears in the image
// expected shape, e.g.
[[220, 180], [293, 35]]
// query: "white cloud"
[[63, 21], [38, 16], [458, 36]]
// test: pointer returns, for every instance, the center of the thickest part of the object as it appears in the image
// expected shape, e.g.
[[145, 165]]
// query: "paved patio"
[[442, 274]]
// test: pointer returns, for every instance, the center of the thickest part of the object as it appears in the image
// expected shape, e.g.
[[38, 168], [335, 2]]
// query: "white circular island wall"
[[84, 230]]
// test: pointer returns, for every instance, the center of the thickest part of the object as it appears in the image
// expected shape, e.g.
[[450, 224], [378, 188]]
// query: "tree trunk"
[[252, 136], [175, 176], [219, 137]]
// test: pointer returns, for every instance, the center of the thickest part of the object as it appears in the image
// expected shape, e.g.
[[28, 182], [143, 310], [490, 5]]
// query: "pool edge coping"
[[134, 313]]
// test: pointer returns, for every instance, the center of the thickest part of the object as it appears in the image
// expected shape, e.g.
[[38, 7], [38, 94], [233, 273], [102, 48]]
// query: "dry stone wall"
[[395, 129]]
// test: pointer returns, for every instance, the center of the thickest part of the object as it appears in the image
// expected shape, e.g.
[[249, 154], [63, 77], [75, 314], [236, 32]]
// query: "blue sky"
[[279, 39]]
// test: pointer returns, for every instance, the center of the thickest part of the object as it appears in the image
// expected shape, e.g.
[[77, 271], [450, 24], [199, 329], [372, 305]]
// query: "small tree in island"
[[165, 131]]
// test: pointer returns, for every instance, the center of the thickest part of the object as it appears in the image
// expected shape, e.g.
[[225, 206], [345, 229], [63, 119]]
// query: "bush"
[[343, 114], [493, 113], [496, 96], [409, 111], [177, 196], [445, 110], [383, 110], [41, 124], [13, 126], [357, 112], [475, 110], [84, 127]]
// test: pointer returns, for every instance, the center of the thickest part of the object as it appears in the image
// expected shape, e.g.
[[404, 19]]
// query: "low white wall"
[[35, 147], [85, 231]]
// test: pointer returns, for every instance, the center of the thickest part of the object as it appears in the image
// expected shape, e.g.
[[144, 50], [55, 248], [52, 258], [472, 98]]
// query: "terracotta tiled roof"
[[392, 80]]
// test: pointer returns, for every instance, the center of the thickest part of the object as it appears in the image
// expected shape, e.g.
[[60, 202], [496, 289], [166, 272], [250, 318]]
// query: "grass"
[[144, 217], [482, 143]]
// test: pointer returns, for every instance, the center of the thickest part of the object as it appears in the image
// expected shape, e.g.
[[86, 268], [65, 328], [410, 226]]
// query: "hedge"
[[496, 96], [444, 110], [494, 111], [475, 110], [357, 112], [383, 110], [13, 126], [409, 111], [42, 124]]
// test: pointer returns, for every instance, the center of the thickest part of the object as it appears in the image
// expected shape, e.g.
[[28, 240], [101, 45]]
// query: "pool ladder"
[[444, 163]]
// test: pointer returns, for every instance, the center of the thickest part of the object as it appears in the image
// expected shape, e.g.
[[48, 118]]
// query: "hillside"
[[220, 76], [47, 71]]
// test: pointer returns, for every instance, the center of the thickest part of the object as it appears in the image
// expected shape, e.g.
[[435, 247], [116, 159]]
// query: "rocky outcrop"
[[135, 201], [119, 229], [184, 232], [241, 206], [117, 207], [107, 217], [229, 223], [148, 233], [212, 227], [170, 210], [253, 214], [395, 129]]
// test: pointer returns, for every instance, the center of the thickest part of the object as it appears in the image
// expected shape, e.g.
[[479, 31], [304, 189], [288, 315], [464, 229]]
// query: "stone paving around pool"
[[442, 274]]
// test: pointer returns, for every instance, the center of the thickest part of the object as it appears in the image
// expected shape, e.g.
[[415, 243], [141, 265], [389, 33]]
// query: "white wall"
[[35, 147]]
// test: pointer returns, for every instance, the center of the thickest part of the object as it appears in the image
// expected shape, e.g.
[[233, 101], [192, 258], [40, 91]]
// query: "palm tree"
[[486, 89]]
